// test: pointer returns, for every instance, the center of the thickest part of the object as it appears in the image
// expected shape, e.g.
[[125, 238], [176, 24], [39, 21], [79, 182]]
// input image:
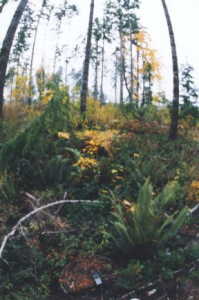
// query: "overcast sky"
[[185, 20]]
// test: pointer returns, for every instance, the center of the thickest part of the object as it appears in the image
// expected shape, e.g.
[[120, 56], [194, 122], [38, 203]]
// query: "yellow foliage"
[[17, 114], [22, 89], [187, 126], [195, 185], [142, 37], [136, 155], [96, 139], [86, 163], [193, 191], [92, 147], [63, 135], [47, 97], [107, 115], [149, 56]]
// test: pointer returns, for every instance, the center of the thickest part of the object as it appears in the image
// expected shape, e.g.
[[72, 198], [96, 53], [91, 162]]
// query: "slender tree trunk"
[[131, 74], [6, 48], [116, 77], [102, 73], [121, 70], [33, 53], [121, 90], [175, 106], [143, 90], [150, 88], [138, 76], [57, 47], [95, 94], [131, 66], [84, 88], [66, 73]]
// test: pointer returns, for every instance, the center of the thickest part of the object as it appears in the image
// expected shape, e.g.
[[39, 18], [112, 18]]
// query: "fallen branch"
[[194, 210], [158, 283], [32, 213], [65, 195]]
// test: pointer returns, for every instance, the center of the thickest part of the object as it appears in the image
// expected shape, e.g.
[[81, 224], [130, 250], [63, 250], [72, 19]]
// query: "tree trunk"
[[138, 76], [116, 77], [121, 70], [131, 66], [95, 93], [131, 76], [143, 86], [150, 88], [102, 73], [84, 88], [175, 106], [6, 48], [30, 84]]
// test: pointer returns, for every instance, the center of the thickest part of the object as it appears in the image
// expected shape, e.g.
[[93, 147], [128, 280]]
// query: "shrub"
[[104, 116], [146, 224], [32, 155]]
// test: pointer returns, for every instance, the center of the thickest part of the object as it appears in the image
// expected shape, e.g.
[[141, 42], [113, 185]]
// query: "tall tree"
[[175, 106], [189, 93], [95, 54], [125, 23], [84, 87], [39, 16], [106, 37], [6, 48]]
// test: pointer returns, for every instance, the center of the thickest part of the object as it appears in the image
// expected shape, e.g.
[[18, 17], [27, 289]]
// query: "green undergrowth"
[[52, 156]]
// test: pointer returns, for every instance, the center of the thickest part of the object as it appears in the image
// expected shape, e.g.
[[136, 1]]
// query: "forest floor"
[[190, 291], [182, 287], [113, 167]]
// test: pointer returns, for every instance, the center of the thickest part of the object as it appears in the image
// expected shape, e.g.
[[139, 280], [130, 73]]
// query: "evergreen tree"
[[189, 92]]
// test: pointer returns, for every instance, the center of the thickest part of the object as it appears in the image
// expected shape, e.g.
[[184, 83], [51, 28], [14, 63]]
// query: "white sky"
[[185, 20]]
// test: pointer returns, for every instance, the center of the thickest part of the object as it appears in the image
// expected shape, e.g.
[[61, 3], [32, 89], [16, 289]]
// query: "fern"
[[146, 223]]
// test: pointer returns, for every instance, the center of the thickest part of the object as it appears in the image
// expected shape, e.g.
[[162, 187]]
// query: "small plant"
[[140, 227], [129, 276]]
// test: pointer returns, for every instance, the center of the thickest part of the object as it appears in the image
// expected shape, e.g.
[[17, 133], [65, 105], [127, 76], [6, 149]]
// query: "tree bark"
[[95, 93], [175, 105], [121, 68], [6, 48], [102, 73], [84, 88], [131, 64], [132, 75], [138, 76]]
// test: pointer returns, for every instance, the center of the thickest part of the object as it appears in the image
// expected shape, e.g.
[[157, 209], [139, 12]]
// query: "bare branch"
[[194, 210], [32, 213]]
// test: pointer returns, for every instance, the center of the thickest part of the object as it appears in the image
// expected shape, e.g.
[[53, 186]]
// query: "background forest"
[[98, 169]]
